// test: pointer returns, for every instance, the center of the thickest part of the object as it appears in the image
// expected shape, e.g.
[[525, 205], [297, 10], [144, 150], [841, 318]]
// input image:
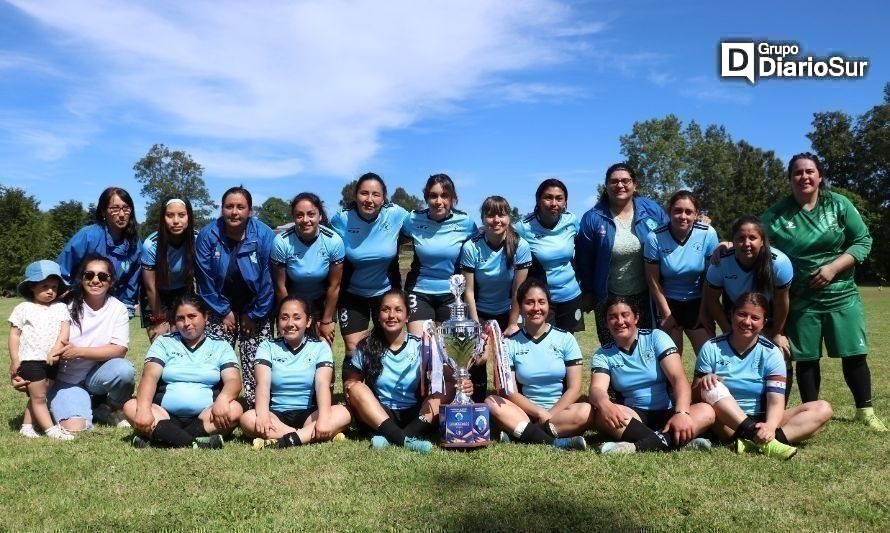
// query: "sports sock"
[[418, 426], [747, 429], [780, 436], [809, 379], [391, 432], [166, 433], [789, 380], [533, 434], [644, 438], [549, 429], [291, 439], [858, 378], [195, 428]]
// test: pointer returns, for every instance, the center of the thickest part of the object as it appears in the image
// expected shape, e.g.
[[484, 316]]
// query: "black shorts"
[[355, 312], [502, 319], [37, 370], [295, 418], [567, 315], [191, 424], [167, 298], [402, 418], [685, 312], [423, 306], [654, 420]]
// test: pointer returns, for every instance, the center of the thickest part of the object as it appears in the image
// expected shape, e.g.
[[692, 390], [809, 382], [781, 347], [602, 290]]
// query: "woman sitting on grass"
[[294, 375], [188, 392], [742, 375], [546, 362], [655, 412]]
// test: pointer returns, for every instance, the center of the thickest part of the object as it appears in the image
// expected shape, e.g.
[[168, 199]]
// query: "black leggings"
[[856, 374]]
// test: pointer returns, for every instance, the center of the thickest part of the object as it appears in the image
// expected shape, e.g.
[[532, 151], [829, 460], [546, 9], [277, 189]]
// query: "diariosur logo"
[[755, 60]]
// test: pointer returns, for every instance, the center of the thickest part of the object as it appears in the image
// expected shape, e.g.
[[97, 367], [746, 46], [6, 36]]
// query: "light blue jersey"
[[540, 364], [293, 371], [175, 263], [553, 250], [398, 386], [492, 277], [191, 377], [682, 264], [436, 249], [735, 280], [308, 264], [637, 374], [744, 374], [371, 246]]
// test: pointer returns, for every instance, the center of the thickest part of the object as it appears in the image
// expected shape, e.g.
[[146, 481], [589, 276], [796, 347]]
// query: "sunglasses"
[[104, 277]]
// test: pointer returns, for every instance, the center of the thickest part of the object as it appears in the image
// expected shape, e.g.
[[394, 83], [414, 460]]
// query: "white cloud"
[[228, 164], [712, 90], [322, 78]]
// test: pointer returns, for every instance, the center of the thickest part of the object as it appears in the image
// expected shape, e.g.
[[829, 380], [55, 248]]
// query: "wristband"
[[323, 323]]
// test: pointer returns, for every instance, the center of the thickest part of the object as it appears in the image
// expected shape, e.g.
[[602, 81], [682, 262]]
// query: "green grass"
[[839, 481]]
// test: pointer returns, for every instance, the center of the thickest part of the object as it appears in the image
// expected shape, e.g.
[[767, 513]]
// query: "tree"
[[656, 150], [67, 218], [30, 237], [347, 193], [164, 173], [274, 212], [407, 201]]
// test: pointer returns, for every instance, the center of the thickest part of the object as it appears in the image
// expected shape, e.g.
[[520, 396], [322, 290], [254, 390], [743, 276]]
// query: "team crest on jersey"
[[253, 258], [125, 265], [384, 226], [648, 355], [651, 224], [790, 225]]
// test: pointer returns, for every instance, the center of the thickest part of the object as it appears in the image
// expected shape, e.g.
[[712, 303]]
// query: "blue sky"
[[292, 96]]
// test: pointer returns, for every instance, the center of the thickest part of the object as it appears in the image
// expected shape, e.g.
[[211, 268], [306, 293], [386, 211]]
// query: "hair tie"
[[173, 201]]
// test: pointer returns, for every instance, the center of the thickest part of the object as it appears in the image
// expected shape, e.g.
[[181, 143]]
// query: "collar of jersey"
[[193, 350], [741, 266], [685, 239], [492, 248], [633, 347], [735, 353], [545, 226], [294, 351], [450, 215], [365, 220], [539, 339], [310, 243]]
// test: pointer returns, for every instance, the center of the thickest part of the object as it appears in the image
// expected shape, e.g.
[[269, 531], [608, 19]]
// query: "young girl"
[[38, 327]]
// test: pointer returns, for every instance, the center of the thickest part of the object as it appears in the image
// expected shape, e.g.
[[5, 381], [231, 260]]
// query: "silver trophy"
[[461, 339]]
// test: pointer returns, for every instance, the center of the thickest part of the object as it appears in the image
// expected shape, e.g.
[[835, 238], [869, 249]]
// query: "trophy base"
[[464, 426]]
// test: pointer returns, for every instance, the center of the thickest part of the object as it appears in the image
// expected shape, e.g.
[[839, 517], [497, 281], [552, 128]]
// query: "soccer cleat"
[[778, 450], [743, 446], [504, 438], [700, 444], [59, 433], [139, 442], [378, 442], [418, 445], [28, 430], [570, 443], [868, 417], [258, 443], [617, 447], [213, 442]]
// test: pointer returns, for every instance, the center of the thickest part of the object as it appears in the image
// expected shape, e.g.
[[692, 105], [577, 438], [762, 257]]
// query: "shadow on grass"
[[15, 423]]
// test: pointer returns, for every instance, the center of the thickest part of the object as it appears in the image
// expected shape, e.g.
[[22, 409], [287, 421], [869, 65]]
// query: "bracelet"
[[323, 323], [680, 412]]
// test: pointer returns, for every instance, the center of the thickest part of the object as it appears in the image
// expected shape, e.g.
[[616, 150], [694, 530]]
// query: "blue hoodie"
[[593, 246], [123, 255], [212, 258]]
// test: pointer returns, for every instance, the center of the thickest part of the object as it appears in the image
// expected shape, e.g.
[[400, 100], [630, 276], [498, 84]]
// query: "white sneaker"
[[59, 433], [110, 417], [29, 431]]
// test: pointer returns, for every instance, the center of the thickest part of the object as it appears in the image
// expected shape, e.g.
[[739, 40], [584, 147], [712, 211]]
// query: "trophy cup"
[[462, 424]]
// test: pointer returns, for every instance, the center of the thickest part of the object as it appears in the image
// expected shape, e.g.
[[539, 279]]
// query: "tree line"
[[730, 177]]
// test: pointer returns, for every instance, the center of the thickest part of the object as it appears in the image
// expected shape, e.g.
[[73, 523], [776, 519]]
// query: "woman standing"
[[437, 234], [610, 244], [307, 261], [824, 235], [168, 265], [550, 231], [115, 236], [370, 228], [234, 280], [676, 256]]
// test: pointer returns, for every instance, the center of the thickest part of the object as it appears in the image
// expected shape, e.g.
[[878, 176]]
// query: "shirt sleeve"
[[511, 353], [120, 333], [467, 256], [157, 352], [714, 277], [711, 243], [149, 254], [599, 364], [571, 352], [325, 357], [704, 362], [60, 312], [663, 344], [338, 250], [278, 255], [651, 253], [783, 270], [226, 357], [523, 257], [264, 353], [356, 360], [774, 363], [338, 223], [858, 239], [17, 317]]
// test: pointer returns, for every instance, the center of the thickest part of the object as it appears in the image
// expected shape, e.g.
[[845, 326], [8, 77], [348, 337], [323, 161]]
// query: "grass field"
[[839, 481]]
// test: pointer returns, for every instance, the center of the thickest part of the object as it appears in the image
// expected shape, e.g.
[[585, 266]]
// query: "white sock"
[[517, 431]]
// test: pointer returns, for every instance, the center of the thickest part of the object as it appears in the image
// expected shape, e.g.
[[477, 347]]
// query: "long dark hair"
[[75, 296], [604, 196], [189, 299], [764, 280], [131, 232], [315, 201], [546, 184], [447, 185], [367, 176], [162, 269], [498, 205], [375, 345]]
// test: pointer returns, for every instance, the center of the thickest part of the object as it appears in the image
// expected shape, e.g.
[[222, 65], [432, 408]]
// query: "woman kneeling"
[[644, 368], [742, 375], [293, 385], [190, 382]]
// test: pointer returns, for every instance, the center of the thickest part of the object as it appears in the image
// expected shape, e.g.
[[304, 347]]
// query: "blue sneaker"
[[618, 447], [378, 442], [504, 438], [699, 443], [570, 443], [417, 445]]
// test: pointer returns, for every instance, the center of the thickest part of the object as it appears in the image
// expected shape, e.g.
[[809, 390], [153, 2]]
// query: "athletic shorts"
[[567, 315], [502, 319], [402, 418], [685, 312], [842, 331], [190, 424], [167, 298], [429, 306], [37, 370], [654, 420], [295, 418], [355, 312]]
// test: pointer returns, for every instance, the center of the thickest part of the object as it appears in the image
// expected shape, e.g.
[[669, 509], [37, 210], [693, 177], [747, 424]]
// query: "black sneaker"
[[213, 442], [139, 442]]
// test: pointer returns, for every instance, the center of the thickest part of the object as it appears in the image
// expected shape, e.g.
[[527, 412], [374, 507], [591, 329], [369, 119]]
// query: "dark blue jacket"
[[124, 256], [593, 245], [212, 258]]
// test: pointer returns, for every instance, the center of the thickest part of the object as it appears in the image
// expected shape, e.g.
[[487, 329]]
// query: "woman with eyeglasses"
[[114, 235], [609, 248]]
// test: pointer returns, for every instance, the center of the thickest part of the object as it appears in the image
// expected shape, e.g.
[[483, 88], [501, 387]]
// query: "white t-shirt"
[[40, 326], [110, 324]]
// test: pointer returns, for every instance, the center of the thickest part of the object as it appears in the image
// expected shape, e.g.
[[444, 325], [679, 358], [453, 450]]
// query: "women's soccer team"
[[779, 287]]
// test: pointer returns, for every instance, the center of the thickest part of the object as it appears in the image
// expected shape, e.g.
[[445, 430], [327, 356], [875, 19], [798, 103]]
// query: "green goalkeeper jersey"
[[815, 238]]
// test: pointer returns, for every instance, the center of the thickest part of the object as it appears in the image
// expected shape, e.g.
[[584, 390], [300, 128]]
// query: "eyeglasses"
[[104, 277], [624, 181], [116, 210]]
